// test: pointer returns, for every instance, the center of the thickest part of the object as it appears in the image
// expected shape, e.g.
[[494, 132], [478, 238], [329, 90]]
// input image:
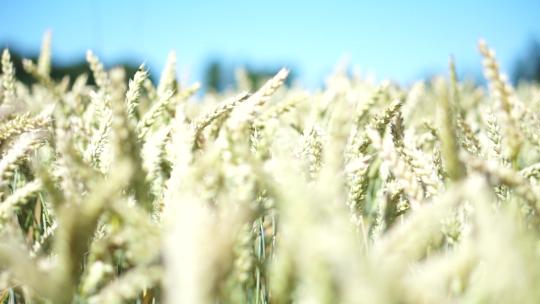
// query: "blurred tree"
[[527, 67], [219, 77], [214, 76], [257, 77]]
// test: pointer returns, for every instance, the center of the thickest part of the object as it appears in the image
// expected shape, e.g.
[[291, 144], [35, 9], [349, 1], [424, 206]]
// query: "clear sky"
[[400, 40]]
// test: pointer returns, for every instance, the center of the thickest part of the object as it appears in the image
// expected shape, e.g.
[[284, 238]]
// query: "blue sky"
[[400, 40]]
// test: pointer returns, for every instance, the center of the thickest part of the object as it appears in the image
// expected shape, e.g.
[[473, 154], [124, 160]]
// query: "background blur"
[[397, 40]]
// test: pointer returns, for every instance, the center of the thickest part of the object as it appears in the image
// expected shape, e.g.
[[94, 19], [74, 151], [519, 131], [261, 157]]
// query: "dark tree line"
[[59, 71], [218, 76], [527, 67]]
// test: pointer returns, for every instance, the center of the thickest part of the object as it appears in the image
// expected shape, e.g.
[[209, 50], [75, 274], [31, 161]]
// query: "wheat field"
[[358, 192]]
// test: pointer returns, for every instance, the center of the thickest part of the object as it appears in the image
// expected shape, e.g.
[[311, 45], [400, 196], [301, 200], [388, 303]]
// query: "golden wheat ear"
[[8, 77]]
